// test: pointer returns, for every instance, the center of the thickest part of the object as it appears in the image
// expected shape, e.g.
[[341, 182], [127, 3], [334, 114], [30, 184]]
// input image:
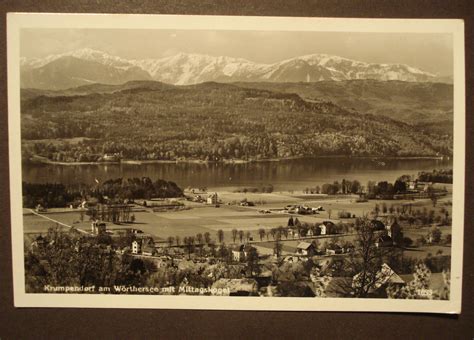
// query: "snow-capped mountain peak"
[[191, 68]]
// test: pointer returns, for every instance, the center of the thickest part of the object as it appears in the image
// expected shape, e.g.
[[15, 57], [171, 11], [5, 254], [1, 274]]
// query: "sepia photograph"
[[200, 162]]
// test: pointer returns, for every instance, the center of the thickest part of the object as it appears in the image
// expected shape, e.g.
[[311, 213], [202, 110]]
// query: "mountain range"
[[88, 66]]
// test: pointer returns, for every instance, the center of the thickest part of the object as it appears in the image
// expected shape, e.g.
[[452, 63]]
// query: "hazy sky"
[[429, 52]]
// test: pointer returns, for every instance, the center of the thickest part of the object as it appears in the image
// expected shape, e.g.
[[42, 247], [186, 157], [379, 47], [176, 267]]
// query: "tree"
[[220, 235], [234, 234], [207, 237], [376, 209], [261, 233], [177, 239], [247, 235], [416, 287], [355, 187], [435, 235], [189, 243], [277, 248], [433, 197], [223, 252], [365, 261], [273, 232], [199, 239], [399, 186], [252, 262], [241, 235], [170, 240], [291, 223], [132, 218], [67, 259]]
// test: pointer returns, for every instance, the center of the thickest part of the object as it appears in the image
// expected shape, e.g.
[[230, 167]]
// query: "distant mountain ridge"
[[87, 66]]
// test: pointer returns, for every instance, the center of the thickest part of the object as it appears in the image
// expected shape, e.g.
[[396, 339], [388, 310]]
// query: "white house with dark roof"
[[305, 249], [213, 199]]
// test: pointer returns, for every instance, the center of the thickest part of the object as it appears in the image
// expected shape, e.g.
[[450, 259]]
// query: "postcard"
[[238, 163]]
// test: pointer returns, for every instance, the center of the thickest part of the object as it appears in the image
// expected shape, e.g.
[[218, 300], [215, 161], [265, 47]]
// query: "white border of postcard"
[[16, 21]]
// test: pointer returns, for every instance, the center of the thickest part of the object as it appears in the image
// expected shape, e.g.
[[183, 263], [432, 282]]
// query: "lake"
[[283, 175]]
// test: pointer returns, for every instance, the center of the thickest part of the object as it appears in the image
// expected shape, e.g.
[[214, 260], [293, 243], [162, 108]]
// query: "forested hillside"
[[429, 106], [209, 121]]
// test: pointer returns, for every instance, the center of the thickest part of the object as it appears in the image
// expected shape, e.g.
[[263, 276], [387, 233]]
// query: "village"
[[262, 237]]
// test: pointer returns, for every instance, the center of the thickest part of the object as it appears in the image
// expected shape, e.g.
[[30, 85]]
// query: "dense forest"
[[51, 195], [210, 122], [436, 176]]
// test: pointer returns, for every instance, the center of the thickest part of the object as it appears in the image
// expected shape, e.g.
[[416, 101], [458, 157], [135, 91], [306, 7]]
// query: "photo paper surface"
[[247, 163]]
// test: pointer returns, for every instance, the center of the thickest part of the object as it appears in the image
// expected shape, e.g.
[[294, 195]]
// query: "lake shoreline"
[[234, 161]]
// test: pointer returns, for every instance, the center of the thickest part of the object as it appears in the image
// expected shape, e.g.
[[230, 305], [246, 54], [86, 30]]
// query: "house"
[[328, 228], [377, 225], [411, 185], [382, 279], [245, 203], [394, 231], [144, 246], [136, 247], [98, 228], [264, 278], [291, 259], [241, 252], [333, 249], [322, 227], [237, 287], [237, 255], [419, 186], [163, 261], [304, 210], [384, 241], [148, 247], [305, 249], [213, 199], [83, 205], [38, 243], [310, 232], [293, 233], [111, 157]]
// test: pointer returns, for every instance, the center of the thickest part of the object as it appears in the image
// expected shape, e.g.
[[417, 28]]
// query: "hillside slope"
[[409, 102], [211, 121]]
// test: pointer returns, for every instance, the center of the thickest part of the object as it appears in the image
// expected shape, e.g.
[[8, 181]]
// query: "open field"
[[36, 224], [202, 218]]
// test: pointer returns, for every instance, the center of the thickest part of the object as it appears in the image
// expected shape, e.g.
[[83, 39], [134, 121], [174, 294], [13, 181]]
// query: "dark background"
[[120, 323]]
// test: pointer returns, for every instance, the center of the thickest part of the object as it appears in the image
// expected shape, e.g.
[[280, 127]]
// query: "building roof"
[[377, 224], [148, 248], [237, 285], [248, 247], [334, 246], [385, 238], [384, 276], [303, 245], [239, 248]]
